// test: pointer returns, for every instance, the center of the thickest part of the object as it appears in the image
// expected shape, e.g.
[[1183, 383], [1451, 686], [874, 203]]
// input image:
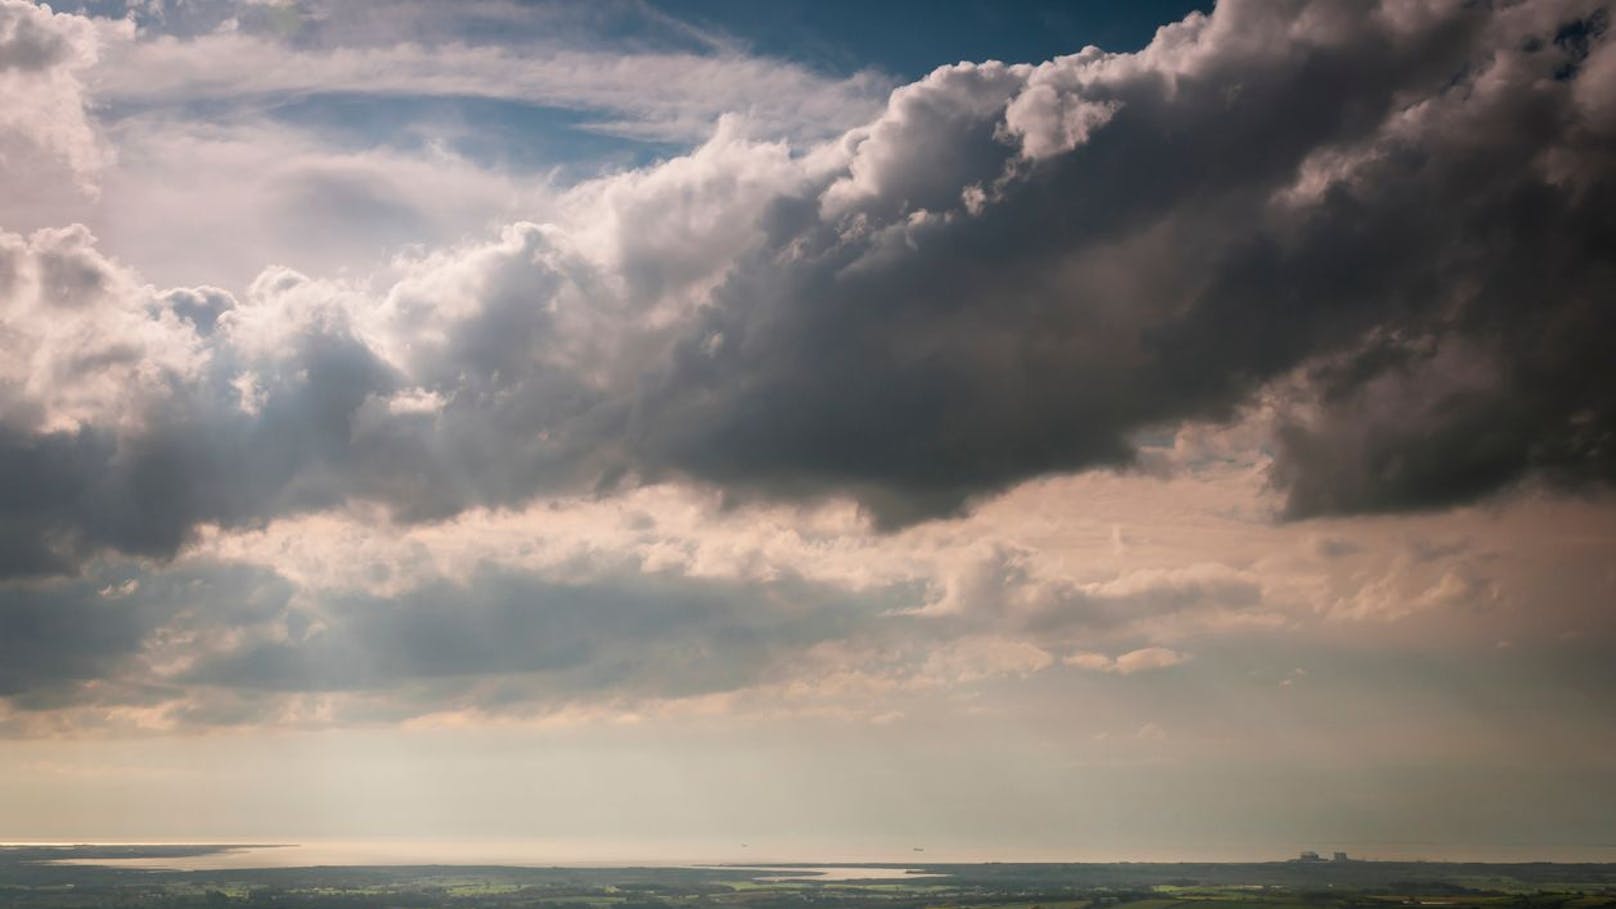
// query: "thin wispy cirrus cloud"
[[602, 380]]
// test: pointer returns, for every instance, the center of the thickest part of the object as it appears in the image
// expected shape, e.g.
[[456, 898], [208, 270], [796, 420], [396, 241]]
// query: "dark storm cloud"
[[1402, 210], [1512, 381], [1157, 272]]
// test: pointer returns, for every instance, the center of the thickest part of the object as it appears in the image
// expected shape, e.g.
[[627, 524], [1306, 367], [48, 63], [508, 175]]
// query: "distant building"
[[1308, 855]]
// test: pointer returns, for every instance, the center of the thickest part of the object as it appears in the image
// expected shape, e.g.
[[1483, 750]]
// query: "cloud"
[[97, 639], [1490, 379], [972, 290], [45, 124], [1418, 581], [974, 659], [214, 644], [662, 601], [1158, 603], [318, 430], [238, 195], [661, 637], [81, 352], [646, 94], [1142, 660], [934, 346]]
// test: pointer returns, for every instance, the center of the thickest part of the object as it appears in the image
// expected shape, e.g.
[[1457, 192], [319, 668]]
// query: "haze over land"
[[1174, 432]]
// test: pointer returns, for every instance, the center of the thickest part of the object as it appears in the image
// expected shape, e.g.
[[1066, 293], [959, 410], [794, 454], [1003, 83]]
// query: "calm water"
[[835, 873]]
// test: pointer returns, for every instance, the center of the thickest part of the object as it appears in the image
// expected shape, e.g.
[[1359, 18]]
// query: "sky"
[[1037, 430]]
